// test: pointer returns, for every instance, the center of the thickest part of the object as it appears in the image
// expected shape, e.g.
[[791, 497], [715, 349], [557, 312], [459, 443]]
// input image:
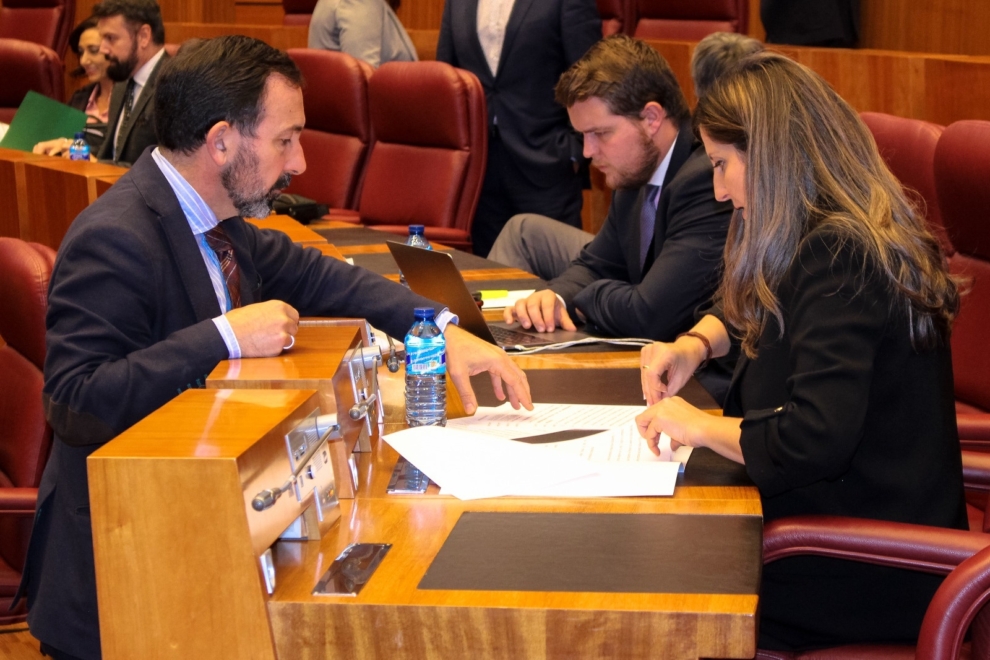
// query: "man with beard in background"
[[133, 40], [161, 278]]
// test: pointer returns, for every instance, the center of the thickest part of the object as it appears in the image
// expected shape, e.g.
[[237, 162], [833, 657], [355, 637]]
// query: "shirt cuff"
[[233, 348], [444, 317]]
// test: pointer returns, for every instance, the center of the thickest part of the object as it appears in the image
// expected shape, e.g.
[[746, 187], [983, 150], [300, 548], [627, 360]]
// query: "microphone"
[[393, 359]]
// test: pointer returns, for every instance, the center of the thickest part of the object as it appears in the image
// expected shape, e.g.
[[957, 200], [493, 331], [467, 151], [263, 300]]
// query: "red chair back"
[[338, 128], [27, 67], [428, 157], [688, 20], [908, 148], [45, 22], [613, 13], [297, 12], [962, 173], [25, 437]]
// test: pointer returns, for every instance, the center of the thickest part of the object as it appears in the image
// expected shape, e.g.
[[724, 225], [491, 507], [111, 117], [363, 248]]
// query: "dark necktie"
[[217, 239], [647, 221], [125, 114]]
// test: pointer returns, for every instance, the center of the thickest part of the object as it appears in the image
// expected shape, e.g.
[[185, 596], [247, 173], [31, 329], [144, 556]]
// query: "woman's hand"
[[687, 425], [677, 361]]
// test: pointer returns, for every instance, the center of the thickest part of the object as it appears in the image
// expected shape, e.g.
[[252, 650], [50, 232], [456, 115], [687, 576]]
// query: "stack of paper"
[[474, 457]]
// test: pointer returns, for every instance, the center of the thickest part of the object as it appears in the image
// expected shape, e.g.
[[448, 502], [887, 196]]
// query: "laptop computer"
[[433, 275]]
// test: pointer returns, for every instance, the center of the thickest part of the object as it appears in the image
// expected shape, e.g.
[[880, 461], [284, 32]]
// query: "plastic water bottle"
[[416, 239], [79, 149], [426, 372]]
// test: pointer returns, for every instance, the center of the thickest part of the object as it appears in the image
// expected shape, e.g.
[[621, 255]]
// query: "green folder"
[[40, 118]]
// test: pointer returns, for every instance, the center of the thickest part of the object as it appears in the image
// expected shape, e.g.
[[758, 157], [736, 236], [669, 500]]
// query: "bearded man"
[[658, 255]]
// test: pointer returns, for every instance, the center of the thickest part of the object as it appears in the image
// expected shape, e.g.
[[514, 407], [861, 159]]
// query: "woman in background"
[[93, 98], [842, 402]]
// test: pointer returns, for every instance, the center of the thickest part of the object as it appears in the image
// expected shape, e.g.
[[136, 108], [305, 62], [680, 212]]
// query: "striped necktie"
[[217, 239]]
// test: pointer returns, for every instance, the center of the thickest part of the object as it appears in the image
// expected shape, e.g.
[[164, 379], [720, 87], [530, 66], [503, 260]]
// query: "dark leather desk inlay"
[[355, 236], [616, 387], [607, 553]]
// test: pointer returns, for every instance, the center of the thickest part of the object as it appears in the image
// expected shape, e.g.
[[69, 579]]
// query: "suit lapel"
[[113, 115], [147, 94], [160, 198], [469, 21], [682, 149], [512, 28]]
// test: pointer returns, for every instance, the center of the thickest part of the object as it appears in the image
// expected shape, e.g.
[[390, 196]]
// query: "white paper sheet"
[[622, 444], [545, 418]]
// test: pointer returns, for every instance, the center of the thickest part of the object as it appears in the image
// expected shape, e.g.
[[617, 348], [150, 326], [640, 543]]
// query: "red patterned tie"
[[217, 239]]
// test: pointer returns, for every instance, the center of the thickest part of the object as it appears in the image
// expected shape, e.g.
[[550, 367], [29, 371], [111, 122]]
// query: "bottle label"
[[425, 357]]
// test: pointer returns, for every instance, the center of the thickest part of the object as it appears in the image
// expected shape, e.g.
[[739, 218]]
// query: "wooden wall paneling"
[[932, 26], [425, 42], [13, 189], [279, 36], [258, 13], [421, 14], [955, 89]]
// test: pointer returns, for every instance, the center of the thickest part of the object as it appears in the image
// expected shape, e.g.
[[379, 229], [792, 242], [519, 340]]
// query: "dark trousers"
[[507, 192], [55, 654]]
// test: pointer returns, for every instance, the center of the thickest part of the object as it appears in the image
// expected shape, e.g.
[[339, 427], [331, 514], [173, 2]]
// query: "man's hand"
[[264, 329], [467, 355], [56, 147], [541, 311]]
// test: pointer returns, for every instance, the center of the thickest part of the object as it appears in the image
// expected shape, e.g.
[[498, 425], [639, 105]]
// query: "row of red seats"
[[688, 20], [404, 144]]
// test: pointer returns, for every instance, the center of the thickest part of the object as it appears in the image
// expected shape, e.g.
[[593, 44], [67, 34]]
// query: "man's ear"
[[221, 142], [144, 36], [653, 116]]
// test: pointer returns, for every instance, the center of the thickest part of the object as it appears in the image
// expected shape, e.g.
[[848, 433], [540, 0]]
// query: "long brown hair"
[[811, 162]]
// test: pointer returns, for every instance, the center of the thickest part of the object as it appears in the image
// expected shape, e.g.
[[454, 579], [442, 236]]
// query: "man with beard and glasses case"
[[161, 278], [658, 255], [133, 41]]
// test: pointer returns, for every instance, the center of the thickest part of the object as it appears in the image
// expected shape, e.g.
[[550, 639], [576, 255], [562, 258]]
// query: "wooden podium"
[[177, 541], [13, 190]]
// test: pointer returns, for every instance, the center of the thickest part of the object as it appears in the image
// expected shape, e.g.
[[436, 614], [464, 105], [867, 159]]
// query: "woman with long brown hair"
[[842, 401]]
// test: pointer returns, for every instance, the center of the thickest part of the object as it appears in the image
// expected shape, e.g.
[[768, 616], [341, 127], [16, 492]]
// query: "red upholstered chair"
[[908, 148], [338, 127], [613, 13], [427, 159], [27, 66], [958, 605], [962, 180], [297, 12], [25, 437], [688, 20], [45, 22]]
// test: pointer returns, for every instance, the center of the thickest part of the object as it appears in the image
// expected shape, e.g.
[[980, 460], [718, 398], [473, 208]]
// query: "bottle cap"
[[424, 313], [81, 135], [416, 229]]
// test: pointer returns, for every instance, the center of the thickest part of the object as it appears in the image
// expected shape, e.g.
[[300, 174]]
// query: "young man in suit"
[[518, 49], [161, 278], [658, 255]]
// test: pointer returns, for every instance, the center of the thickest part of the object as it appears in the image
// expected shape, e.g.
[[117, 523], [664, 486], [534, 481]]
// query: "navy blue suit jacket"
[[543, 38], [129, 326]]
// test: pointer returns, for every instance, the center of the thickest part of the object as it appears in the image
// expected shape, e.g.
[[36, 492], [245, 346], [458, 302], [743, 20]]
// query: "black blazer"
[[606, 281], [841, 416], [542, 39], [129, 326], [139, 134]]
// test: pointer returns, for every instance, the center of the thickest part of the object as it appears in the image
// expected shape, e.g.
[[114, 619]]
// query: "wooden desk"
[[298, 232], [13, 190], [56, 191]]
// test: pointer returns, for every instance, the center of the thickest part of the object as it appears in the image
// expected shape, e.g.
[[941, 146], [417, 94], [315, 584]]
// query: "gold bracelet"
[[704, 340]]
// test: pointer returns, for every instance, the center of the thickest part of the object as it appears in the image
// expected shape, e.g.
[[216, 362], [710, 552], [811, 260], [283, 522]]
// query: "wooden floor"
[[16, 643]]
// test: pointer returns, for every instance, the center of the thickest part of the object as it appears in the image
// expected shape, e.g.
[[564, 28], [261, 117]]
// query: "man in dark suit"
[[658, 255], [518, 49], [161, 278], [133, 41]]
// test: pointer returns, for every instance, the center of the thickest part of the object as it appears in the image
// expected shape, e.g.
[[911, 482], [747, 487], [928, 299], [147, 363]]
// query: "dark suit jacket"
[[139, 133], [842, 416], [129, 327], [606, 281], [542, 39]]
